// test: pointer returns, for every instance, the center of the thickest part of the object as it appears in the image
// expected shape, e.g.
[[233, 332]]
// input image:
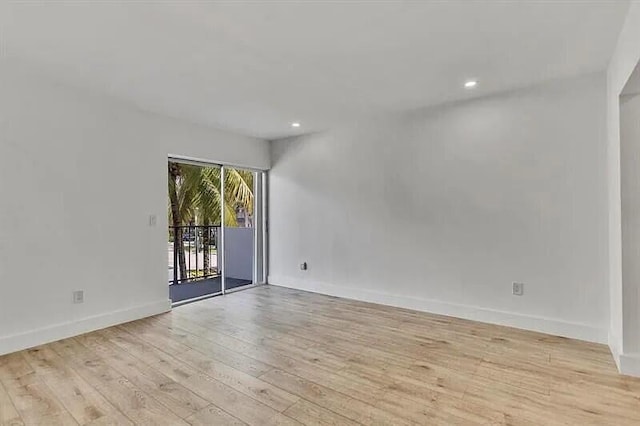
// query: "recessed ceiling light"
[[295, 124], [470, 84]]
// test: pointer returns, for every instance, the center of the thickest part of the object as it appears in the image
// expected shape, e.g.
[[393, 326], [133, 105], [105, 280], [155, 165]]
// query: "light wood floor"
[[273, 356]]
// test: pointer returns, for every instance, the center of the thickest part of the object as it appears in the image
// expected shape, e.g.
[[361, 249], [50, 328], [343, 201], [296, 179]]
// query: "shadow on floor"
[[180, 292]]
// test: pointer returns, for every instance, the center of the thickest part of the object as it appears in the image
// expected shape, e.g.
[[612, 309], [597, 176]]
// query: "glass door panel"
[[194, 234], [239, 235]]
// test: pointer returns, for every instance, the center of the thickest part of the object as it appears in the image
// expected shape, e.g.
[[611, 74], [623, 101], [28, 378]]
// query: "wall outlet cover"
[[518, 289], [78, 296]]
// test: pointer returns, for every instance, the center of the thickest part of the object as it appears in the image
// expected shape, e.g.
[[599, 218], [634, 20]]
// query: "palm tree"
[[195, 196], [175, 215], [209, 207]]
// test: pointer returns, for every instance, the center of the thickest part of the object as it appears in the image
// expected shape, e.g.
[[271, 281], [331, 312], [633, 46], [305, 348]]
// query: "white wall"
[[442, 209], [79, 177], [630, 195], [623, 62]]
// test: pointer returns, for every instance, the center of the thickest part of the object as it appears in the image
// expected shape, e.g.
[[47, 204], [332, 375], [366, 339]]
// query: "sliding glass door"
[[195, 218], [216, 240]]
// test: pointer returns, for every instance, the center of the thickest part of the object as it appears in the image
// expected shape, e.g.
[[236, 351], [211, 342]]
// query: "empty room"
[[308, 212]]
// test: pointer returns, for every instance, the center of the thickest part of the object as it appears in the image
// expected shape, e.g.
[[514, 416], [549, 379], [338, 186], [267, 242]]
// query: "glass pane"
[[194, 211], [239, 231]]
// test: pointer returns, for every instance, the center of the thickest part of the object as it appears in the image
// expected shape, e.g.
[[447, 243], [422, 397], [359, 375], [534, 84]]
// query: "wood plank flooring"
[[275, 356]]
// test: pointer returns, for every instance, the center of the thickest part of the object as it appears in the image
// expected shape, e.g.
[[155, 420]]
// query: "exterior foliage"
[[195, 199]]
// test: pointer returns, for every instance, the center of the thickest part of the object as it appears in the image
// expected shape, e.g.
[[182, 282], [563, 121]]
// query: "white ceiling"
[[255, 67]]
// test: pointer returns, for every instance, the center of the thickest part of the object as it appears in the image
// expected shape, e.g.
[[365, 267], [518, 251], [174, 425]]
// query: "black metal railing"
[[199, 257]]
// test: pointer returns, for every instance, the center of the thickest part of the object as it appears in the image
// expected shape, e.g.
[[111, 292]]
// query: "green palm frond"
[[239, 187], [196, 192], [188, 193], [210, 198]]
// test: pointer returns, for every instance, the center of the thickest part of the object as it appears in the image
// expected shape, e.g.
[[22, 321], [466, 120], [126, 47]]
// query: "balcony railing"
[[201, 255]]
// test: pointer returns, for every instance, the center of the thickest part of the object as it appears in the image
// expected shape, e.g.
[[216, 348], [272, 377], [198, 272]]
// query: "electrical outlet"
[[153, 220], [78, 296], [303, 266], [518, 289]]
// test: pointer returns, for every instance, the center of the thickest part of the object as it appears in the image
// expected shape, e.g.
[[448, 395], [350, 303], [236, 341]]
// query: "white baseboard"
[[614, 345], [17, 342], [629, 364], [511, 319]]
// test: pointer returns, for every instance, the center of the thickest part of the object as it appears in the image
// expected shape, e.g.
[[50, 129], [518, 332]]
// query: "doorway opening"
[[215, 242]]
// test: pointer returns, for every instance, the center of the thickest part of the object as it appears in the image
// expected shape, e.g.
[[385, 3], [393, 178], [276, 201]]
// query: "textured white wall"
[[442, 209], [79, 177]]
